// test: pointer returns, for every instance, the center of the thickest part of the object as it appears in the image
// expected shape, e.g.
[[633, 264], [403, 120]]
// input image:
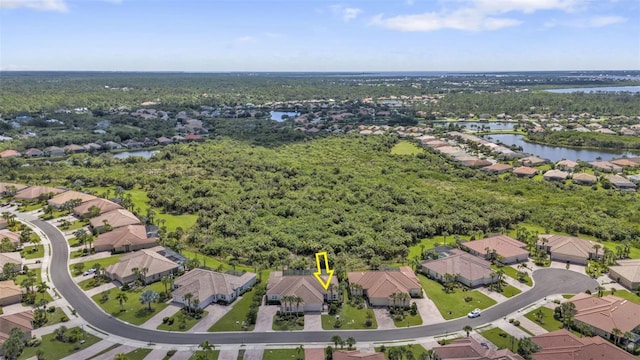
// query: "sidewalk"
[[531, 326], [216, 312], [90, 351]]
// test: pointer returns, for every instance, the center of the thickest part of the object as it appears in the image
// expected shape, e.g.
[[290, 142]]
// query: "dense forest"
[[342, 194]]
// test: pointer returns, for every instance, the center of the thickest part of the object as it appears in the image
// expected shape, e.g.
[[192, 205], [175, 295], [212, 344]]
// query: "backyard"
[[453, 305], [351, 317], [134, 312]]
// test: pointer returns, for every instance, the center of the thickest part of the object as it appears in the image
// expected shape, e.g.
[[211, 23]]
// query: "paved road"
[[547, 282]]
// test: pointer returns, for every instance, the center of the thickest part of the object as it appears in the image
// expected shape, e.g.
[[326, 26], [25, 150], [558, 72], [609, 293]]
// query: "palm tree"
[[336, 340], [600, 289], [300, 352], [350, 342], [165, 281], [121, 356], [149, 296], [298, 300], [596, 247], [539, 315], [568, 311], [122, 299], [331, 288], [628, 336], [187, 297], [467, 329], [42, 288], [207, 348], [617, 333]]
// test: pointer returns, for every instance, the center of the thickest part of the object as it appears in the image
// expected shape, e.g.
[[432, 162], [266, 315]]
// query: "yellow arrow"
[[317, 274]]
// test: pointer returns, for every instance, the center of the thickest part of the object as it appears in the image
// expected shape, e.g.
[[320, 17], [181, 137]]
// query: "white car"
[[474, 314], [89, 272]]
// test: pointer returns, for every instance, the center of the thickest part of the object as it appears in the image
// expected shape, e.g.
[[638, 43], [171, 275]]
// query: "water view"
[[143, 153], [476, 125], [556, 153], [277, 115], [634, 89]]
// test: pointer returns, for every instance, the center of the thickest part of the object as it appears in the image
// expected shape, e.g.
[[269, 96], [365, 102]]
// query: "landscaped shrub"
[[125, 287], [333, 309], [511, 321], [368, 323], [171, 353], [503, 334], [165, 319], [337, 324], [64, 318], [51, 309], [516, 323], [468, 299]]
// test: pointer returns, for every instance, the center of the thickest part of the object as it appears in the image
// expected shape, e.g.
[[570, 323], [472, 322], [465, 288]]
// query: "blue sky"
[[319, 35]]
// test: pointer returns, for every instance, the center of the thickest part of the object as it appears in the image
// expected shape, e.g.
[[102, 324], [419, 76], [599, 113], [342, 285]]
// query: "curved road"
[[547, 282]]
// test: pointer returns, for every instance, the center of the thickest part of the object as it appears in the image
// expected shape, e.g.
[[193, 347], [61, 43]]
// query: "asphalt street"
[[547, 282]]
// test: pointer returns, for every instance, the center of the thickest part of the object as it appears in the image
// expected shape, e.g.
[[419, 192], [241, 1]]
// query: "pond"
[[143, 153], [277, 115], [556, 153], [634, 89]]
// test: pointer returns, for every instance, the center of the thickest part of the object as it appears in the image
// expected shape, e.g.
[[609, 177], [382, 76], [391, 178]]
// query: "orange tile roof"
[[103, 204], [381, 284], [504, 246], [607, 313], [304, 286], [115, 218], [131, 235], [563, 345], [34, 192]]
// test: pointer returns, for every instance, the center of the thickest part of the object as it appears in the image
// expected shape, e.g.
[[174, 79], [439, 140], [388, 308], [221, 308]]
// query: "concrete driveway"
[[265, 317], [313, 322]]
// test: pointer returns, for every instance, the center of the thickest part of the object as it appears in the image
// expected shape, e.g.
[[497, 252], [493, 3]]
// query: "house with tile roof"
[[357, 355], [14, 237], [155, 264], [606, 166], [562, 344], [115, 219], [555, 175], [9, 154], [525, 171], [37, 192], [124, 239], [497, 168], [584, 179], [507, 248], [568, 248], [10, 293], [620, 182], [53, 151], [312, 293], [33, 152], [7, 187], [532, 161], [469, 269], [470, 349], [626, 273], [11, 258], [604, 314], [566, 164], [378, 286], [211, 287], [104, 205], [21, 320], [61, 199]]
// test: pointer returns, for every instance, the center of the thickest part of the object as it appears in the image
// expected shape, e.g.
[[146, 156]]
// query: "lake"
[[143, 153], [556, 153], [476, 125], [277, 115], [634, 89]]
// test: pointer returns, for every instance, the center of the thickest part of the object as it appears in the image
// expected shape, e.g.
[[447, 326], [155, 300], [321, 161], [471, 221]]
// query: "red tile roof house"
[[470, 349], [33, 152], [211, 287], [22, 320], [124, 239], [620, 182], [607, 313], [36, 192], [470, 270], [555, 175], [563, 345], [509, 250], [104, 205], [10, 293], [497, 168], [605, 166], [115, 219], [626, 273], [532, 161], [12, 236], [11, 258], [525, 171], [584, 179], [357, 355], [568, 249], [378, 286], [9, 154], [6, 187], [304, 286], [61, 199], [566, 165]]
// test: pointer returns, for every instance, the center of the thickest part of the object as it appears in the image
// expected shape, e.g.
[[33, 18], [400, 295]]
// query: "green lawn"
[[104, 262], [54, 349], [567, 296], [189, 322], [513, 273], [627, 295], [19, 278], [29, 253], [409, 320], [31, 207], [213, 355], [281, 354], [548, 322], [90, 283], [135, 312], [286, 325], [138, 354], [510, 291], [404, 147], [417, 350], [214, 263], [453, 305], [75, 225], [234, 319], [415, 250], [352, 318], [502, 342], [55, 317]]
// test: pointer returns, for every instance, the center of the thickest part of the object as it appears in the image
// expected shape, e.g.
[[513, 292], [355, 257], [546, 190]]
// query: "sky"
[[319, 35]]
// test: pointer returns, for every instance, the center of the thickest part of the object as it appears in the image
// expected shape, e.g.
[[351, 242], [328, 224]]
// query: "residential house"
[[604, 314], [525, 171], [620, 183], [11, 258], [73, 148], [115, 219], [562, 344], [357, 355], [497, 168], [568, 248], [37, 192], [6, 187], [9, 154], [306, 287], [555, 175], [145, 264], [92, 147], [164, 140], [33, 152], [112, 145], [606, 166], [501, 247], [104, 205], [211, 287], [53, 151], [10, 293], [14, 237], [626, 273], [470, 349], [476, 163], [566, 165], [379, 286], [22, 320], [584, 179], [624, 162], [124, 239], [468, 269], [61, 199], [532, 161]]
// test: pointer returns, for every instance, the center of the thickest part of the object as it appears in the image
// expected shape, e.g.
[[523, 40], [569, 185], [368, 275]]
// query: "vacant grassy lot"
[[502, 342], [214, 263], [548, 322], [234, 319], [352, 318], [178, 319], [404, 147], [134, 312], [54, 349], [453, 305], [32, 252], [104, 262], [282, 354]]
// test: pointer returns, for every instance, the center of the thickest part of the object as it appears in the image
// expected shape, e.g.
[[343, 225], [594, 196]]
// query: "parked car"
[[474, 314], [89, 272]]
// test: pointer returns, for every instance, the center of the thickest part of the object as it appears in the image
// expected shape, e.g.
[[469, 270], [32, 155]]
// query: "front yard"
[[393, 351], [286, 322], [32, 252], [513, 273], [134, 312], [350, 318], [235, 319], [453, 305], [501, 339], [54, 349], [282, 354], [548, 322], [86, 265], [180, 322], [510, 291], [408, 320]]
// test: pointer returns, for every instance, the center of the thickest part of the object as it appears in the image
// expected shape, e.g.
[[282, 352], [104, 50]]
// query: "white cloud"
[[525, 6], [600, 21], [244, 40], [41, 5], [347, 13]]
